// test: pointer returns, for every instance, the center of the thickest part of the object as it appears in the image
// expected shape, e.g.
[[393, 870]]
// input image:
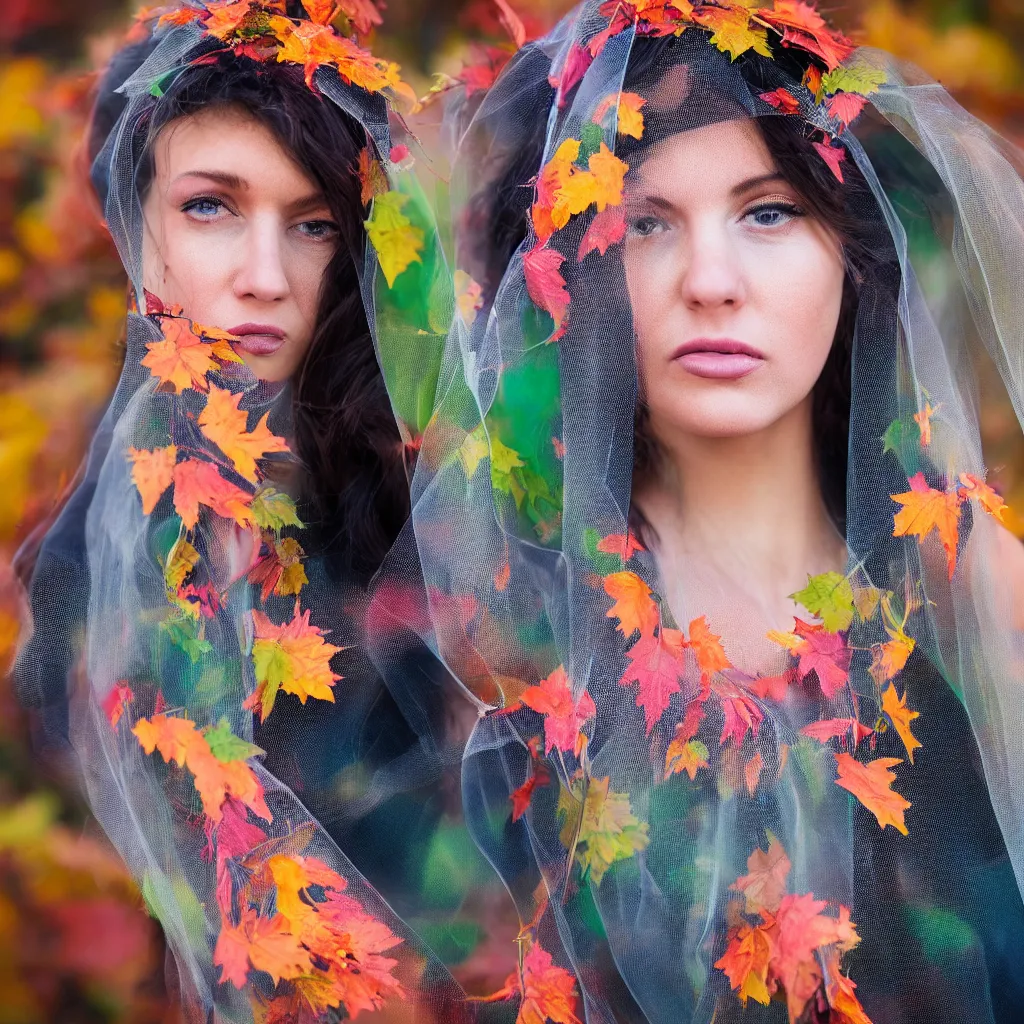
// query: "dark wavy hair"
[[352, 487], [848, 208]]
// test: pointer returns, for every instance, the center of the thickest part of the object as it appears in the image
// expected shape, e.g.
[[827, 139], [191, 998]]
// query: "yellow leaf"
[[152, 473], [397, 241], [225, 425], [901, 716]]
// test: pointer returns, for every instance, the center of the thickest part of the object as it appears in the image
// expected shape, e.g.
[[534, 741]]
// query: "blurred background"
[[76, 943]]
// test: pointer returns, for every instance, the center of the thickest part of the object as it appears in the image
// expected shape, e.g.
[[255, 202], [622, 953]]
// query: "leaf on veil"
[[182, 358], [802, 26], [685, 753], [842, 999], [116, 702], [152, 473], [819, 651], [608, 831], [926, 509], [846, 107], [973, 487], [764, 884], [829, 596], [273, 509], [563, 717], [837, 728], [782, 99], [628, 116], [178, 740], [656, 665], [741, 715], [397, 241], [633, 607], [901, 716], [833, 156], [544, 282], [745, 962], [265, 943], [293, 657], [372, 178], [279, 569], [200, 483], [707, 649], [605, 230], [871, 784], [923, 419], [226, 426], [733, 32], [625, 545], [549, 991]]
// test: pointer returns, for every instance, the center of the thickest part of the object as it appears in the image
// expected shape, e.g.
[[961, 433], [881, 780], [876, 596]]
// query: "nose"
[[261, 270], [711, 274]]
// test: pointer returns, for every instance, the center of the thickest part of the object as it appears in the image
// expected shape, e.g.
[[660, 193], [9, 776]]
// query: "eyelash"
[[790, 209], [190, 207]]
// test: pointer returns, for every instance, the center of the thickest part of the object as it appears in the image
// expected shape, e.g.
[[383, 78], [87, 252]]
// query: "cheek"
[[649, 291], [185, 270]]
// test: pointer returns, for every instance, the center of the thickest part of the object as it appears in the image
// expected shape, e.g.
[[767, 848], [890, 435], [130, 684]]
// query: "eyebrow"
[[239, 184], [748, 185]]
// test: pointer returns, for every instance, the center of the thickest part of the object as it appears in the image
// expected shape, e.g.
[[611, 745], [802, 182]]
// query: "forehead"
[[231, 141], [709, 160]]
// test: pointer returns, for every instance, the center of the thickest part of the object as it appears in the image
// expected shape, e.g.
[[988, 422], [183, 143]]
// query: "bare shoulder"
[[1007, 571]]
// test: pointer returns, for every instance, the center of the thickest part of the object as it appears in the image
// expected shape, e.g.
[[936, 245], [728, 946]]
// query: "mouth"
[[718, 358], [257, 339]]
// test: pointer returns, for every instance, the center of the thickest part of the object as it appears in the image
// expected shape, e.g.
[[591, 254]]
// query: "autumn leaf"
[[321, 12], [609, 174], [833, 156], [889, 658], [549, 991], [225, 425], [901, 716], [924, 421], [782, 99], [633, 605], [397, 241], [972, 487], [625, 545], [628, 117], [732, 30], [547, 214], [200, 483], [373, 180], [469, 296], [608, 830], [742, 715], [293, 657], [707, 649], [859, 77], [362, 15], [764, 884], [226, 746], [871, 784], [819, 651], [544, 282], [182, 359], [280, 570], [273, 509], [926, 509], [116, 701], [178, 740], [752, 772], [685, 756], [521, 797], [842, 1000], [830, 597], [745, 962], [656, 666], [833, 728], [774, 688], [563, 717], [152, 473], [846, 107], [802, 26], [605, 230], [181, 560], [265, 943]]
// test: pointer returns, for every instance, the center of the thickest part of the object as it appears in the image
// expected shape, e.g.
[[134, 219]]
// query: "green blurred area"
[[75, 942]]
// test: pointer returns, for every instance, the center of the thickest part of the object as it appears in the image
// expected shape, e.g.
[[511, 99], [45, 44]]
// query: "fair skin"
[[238, 235], [736, 296]]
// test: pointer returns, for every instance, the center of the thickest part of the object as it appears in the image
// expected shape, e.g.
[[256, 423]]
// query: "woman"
[[729, 583], [246, 483]]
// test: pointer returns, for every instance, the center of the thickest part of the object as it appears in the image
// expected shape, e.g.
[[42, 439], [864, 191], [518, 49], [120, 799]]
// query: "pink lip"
[[718, 358], [258, 339]]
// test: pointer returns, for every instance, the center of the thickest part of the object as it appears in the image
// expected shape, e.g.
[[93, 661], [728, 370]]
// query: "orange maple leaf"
[[746, 960], [633, 606], [924, 420], [200, 483], [627, 106], [178, 740], [312, 45], [182, 358], [685, 756], [871, 784], [889, 659], [553, 177], [563, 717], [782, 99], [842, 1000], [152, 473], [831, 728], [625, 545], [926, 509], [764, 885], [801, 25], [371, 176], [116, 701], [609, 174], [707, 649], [733, 32], [293, 657], [972, 487], [362, 15], [549, 991], [265, 943], [901, 716], [225, 425]]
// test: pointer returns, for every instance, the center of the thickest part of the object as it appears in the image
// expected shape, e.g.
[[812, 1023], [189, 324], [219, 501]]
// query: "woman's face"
[[735, 292], [237, 235]]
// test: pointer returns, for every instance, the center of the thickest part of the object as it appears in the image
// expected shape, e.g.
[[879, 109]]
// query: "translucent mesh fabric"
[[691, 841], [280, 806]]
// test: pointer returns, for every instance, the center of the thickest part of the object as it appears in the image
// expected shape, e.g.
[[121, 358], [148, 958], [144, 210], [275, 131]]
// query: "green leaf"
[[226, 746], [591, 136], [861, 78], [183, 633], [272, 667], [942, 933], [273, 509], [903, 438], [830, 597]]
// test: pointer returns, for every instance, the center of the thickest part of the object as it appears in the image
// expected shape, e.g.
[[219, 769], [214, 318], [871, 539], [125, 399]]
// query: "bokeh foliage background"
[[76, 944]]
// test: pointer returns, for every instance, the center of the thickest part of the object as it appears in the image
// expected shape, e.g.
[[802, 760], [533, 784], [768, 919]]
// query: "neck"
[[748, 506]]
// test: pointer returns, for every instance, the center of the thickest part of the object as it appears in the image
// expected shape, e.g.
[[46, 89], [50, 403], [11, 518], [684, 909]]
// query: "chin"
[[715, 420]]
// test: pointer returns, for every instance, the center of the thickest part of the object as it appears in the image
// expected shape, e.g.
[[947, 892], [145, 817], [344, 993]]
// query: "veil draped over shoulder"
[[841, 841]]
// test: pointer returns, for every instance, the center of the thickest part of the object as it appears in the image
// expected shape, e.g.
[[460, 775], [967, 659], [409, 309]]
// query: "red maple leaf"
[[825, 654], [656, 665], [563, 717], [544, 281]]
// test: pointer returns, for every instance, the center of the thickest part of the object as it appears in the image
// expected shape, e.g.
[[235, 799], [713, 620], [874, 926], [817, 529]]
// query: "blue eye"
[[203, 207], [318, 229], [774, 215], [645, 226]]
